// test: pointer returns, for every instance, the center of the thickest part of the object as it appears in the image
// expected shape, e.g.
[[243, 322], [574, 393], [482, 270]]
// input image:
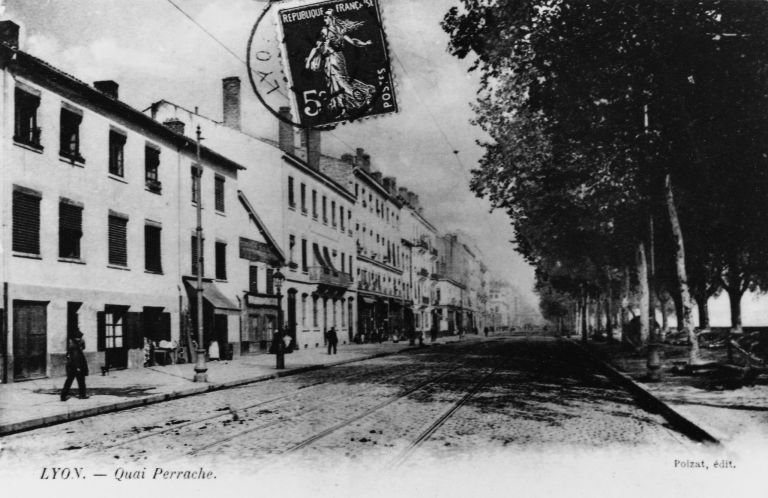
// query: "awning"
[[368, 300], [214, 297], [319, 257], [328, 259]]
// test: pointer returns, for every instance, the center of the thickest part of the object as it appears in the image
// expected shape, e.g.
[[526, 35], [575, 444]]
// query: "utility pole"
[[201, 368]]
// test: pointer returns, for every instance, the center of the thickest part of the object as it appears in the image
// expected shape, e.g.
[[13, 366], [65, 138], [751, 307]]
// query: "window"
[[341, 217], [195, 177], [343, 262], [193, 252], [333, 213], [253, 279], [152, 248], [26, 220], [291, 199], [219, 188], [151, 169], [314, 311], [114, 319], [325, 213], [314, 204], [26, 130], [349, 219], [303, 199], [303, 310], [70, 229], [291, 250], [357, 187], [118, 246], [350, 264], [221, 261], [304, 255], [69, 136], [116, 153]]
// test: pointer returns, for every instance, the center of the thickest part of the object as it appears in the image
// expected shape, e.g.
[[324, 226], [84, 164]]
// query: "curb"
[[648, 400], [152, 399]]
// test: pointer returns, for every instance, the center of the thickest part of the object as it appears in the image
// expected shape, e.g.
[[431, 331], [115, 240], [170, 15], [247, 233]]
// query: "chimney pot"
[[348, 158], [231, 89], [107, 87], [9, 33], [285, 131], [365, 162]]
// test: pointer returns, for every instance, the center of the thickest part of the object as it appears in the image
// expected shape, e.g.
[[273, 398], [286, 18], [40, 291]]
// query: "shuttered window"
[[70, 229], [221, 261], [291, 198], [26, 130], [253, 278], [270, 281], [304, 255], [153, 261], [194, 256], [219, 185], [26, 221], [118, 243]]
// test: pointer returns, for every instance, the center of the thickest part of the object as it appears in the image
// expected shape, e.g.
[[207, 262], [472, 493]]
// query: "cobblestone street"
[[440, 402]]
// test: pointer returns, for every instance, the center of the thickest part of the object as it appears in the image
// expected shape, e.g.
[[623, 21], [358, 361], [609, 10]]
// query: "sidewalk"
[[714, 400], [31, 404]]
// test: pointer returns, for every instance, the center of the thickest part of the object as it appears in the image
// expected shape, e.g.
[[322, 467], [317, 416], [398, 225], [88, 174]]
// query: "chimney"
[[390, 183], [175, 125], [413, 200], [285, 131], [359, 158], [107, 87], [403, 192], [9, 33], [231, 87], [366, 163], [313, 149], [348, 158], [377, 176]]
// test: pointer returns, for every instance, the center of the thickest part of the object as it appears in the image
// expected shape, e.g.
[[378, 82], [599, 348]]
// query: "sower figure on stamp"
[[77, 367], [332, 339]]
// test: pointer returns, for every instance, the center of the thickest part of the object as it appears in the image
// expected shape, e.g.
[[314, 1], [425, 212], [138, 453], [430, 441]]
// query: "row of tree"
[[629, 146]]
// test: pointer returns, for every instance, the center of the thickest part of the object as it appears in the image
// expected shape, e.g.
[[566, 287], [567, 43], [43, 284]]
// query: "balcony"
[[327, 276], [423, 273], [424, 300], [435, 276], [154, 186]]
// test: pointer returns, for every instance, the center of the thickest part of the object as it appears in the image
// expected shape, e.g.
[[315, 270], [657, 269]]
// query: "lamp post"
[[201, 369], [278, 278]]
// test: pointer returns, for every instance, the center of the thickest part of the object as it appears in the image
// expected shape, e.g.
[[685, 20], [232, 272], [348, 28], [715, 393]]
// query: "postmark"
[[337, 63]]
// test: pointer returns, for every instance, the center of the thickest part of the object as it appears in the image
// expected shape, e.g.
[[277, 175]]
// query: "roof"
[[30, 66]]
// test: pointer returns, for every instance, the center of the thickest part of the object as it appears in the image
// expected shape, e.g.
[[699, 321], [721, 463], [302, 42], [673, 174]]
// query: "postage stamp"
[[336, 58]]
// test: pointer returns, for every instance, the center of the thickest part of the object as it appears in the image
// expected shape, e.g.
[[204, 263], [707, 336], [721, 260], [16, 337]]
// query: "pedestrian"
[[332, 340], [77, 366], [485, 330], [287, 340]]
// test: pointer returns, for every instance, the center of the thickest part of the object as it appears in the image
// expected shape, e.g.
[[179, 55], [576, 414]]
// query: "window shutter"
[[70, 230], [26, 223], [270, 287], [253, 278], [118, 251], [152, 248], [221, 261], [134, 330], [219, 185], [101, 331]]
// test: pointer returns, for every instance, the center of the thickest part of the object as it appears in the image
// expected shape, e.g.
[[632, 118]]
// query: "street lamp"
[[201, 368], [278, 278]]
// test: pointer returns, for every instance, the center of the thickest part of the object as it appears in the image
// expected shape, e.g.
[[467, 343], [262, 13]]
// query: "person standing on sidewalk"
[[332, 340], [77, 367]]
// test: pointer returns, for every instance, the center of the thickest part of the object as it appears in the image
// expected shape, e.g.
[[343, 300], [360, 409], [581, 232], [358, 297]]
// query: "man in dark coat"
[[77, 366], [332, 339]]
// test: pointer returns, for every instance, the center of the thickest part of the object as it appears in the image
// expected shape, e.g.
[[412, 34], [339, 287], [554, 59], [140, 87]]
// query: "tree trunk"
[[682, 276], [703, 307], [642, 276], [678, 302], [664, 319], [608, 321], [734, 298]]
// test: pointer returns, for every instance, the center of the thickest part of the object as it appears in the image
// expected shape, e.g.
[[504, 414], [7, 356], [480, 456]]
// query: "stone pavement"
[[31, 404], [717, 401]]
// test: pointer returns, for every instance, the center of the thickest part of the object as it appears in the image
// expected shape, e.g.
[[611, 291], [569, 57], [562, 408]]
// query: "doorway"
[[30, 339]]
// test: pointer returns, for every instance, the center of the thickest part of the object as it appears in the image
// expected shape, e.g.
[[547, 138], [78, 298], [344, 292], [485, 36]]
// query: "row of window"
[[26, 231], [343, 221], [382, 210], [28, 133]]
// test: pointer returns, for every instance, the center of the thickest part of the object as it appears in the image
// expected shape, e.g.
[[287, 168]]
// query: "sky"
[[154, 52]]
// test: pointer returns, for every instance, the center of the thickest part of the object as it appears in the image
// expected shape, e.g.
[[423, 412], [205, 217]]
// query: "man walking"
[[77, 367], [332, 340]]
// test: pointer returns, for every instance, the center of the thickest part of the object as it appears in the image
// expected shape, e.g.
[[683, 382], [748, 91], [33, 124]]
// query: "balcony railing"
[[424, 300], [423, 272], [327, 276]]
